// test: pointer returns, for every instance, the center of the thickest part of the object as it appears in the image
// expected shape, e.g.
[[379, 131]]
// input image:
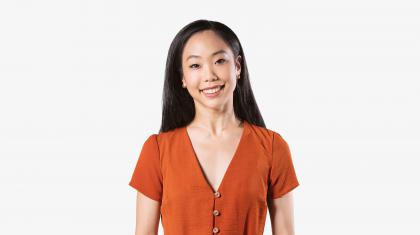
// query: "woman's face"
[[207, 61]]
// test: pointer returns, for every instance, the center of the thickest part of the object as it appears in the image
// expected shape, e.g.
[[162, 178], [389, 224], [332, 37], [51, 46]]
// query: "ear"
[[238, 64]]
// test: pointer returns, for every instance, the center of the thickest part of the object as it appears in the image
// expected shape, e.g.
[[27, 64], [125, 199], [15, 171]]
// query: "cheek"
[[230, 76], [193, 81], [226, 70], [232, 86]]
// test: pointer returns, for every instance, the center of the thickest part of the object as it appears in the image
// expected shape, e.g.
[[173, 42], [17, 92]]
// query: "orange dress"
[[168, 171]]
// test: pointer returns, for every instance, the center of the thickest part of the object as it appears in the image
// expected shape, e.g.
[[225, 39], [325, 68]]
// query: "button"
[[216, 212], [215, 230], [216, 194]]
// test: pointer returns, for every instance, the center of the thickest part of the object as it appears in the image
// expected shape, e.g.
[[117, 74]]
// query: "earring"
[[239, 76], [183, 85]]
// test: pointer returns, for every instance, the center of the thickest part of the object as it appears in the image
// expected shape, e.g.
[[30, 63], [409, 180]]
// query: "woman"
[[214, 167]]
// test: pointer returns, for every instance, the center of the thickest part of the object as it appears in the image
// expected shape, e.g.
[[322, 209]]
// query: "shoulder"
[[167, 138], [268, 137]]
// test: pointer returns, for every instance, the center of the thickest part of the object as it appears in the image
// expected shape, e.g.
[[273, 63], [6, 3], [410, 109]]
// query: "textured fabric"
[[168, 171]]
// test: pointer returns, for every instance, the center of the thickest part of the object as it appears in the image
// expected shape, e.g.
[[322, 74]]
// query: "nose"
[[209, 75], [211, 79]]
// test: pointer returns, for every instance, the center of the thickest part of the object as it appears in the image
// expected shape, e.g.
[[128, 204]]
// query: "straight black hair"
[[177, 104]]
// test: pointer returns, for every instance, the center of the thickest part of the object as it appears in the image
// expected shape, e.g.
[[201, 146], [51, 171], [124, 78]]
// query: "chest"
[[214, 157], [200, 176], [194, 168]]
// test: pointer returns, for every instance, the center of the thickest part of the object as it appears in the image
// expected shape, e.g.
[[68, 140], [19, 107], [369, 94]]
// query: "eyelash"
[[191, 66]]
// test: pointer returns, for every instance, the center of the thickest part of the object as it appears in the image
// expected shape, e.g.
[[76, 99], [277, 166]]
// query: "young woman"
[[213, 168]]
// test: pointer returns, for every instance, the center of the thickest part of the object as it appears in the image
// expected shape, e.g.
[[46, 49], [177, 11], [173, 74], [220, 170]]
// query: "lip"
[[211, 87], [213, 95]]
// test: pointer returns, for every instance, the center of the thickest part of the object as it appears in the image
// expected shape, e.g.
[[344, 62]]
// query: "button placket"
[[215, 213]]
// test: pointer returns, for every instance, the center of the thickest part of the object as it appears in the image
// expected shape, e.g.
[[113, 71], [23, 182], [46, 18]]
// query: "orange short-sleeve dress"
[[168, 171]]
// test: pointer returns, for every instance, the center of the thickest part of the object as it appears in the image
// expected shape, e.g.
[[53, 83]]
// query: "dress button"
[[217, 194], [216, 212], [215, 230]]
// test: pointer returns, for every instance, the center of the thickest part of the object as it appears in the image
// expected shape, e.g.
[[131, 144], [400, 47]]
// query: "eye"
[[192, 66], [223, 60]]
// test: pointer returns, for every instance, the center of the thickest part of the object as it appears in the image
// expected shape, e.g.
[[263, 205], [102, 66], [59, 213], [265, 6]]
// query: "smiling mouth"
[[217, 88]]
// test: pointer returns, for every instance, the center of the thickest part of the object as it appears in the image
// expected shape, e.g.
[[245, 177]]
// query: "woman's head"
[[207, 61], [204, 54]]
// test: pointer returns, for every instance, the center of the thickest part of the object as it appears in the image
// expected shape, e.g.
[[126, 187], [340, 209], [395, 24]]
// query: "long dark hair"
[[177, 104]]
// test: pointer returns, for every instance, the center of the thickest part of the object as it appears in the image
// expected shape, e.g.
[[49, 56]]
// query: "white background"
[[81, 86]]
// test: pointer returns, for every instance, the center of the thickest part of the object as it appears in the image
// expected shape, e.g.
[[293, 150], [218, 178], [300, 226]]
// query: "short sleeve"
[[283, 177], [147, 175]]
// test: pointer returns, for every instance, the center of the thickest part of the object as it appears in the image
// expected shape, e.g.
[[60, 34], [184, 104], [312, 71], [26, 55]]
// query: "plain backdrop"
[[81, 86]]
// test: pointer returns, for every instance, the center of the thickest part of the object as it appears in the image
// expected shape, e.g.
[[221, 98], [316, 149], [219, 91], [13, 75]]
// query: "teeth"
[[211, 91]]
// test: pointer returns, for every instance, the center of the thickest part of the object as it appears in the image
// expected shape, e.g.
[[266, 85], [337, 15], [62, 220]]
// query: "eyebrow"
[[213, 54]]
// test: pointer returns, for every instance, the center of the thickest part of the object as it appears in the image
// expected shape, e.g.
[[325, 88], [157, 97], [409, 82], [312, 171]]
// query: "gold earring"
[[183, 85], [239, 76]]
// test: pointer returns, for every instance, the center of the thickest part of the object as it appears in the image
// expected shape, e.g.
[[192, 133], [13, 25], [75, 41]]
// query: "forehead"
[[203, 44]]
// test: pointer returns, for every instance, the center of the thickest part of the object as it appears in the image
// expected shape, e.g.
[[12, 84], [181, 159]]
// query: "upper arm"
[[147, 215], [282, 181], [282, 177], [282, 214], [147, 179], [147, 175]]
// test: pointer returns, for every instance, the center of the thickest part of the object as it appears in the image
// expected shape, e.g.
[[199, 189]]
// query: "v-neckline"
[[228, 169]]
